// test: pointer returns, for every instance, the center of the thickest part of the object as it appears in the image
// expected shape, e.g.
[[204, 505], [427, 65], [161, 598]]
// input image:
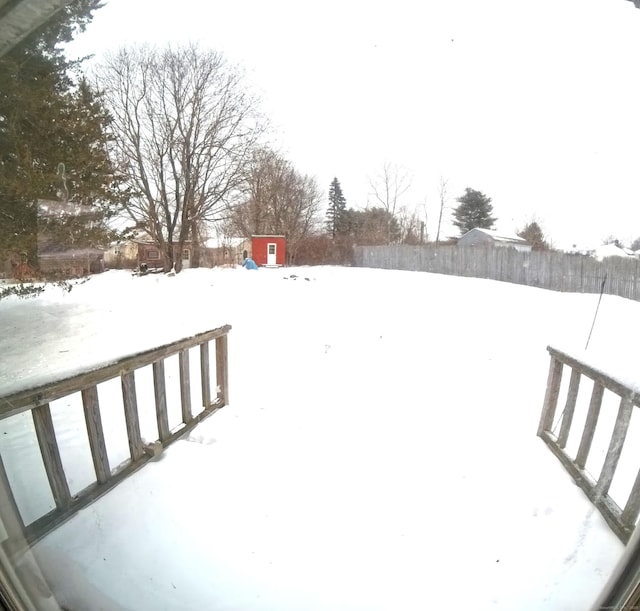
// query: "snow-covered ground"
[[379, 450]]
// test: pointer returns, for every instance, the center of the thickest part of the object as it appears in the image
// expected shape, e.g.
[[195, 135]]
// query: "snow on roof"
[[610, 250], [501, 236]]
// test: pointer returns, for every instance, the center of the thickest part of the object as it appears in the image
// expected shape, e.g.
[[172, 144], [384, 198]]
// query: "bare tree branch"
[[388, 186], [184, 129]]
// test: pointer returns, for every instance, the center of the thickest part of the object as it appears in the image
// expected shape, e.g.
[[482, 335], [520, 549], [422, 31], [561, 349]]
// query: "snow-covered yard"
[[379, 450]]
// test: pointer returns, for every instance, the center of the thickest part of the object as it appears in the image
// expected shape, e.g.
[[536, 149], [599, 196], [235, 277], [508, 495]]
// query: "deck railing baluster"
[[205, 375], [130, 402], [160, 393], [50, 453], [185, 386], [96, 434], [222, 370]]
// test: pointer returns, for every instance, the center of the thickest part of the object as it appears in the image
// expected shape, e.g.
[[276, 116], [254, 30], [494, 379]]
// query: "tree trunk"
[[196, 250]]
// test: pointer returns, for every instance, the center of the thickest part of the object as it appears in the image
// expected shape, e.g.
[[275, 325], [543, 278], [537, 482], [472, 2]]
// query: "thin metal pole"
[[597, 308]]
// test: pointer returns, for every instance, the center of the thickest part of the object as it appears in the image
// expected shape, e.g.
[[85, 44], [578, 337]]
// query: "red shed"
[[268, 249]]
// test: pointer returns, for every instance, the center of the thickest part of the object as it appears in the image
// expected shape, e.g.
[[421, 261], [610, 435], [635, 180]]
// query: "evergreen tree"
[[336, 212], [532, 233], [475, 210], [53, 142]]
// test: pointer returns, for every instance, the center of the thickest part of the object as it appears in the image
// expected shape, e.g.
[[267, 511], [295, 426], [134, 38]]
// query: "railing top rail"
[[20, 401], [611, 383]]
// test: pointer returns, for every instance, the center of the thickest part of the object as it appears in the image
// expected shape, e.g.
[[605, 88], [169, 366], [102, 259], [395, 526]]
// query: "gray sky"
[[535, 104]]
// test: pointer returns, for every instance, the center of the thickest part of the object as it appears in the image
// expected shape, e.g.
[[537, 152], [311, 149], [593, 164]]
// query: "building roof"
[[610, 250], [500, 236]]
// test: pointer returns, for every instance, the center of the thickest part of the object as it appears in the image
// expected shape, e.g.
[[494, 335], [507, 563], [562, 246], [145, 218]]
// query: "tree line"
[[172, 140]]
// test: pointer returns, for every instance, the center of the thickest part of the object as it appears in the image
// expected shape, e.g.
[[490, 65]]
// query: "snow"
[[379, 450], [501, 235], [610, 250]]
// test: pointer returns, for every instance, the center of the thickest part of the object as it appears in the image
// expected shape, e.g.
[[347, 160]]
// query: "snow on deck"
[[379, 448]]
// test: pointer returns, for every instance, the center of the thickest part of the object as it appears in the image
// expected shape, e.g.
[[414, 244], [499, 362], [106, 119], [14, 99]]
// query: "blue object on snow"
[[249, 263]]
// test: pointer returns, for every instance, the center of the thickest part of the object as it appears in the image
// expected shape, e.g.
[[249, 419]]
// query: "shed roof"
[[610, 250], [499, 236]]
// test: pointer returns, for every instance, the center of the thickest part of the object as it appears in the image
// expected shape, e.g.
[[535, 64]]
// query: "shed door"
[[271, 253]]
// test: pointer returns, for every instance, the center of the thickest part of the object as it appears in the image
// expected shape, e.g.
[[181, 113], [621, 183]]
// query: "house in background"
[[489, 237], [225, 250], [56, 257], [142, 250], [613, 250], [149, 253], [268, 250]]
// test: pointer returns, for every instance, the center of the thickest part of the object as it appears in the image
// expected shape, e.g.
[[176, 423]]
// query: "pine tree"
[[336, 212], [53, 142], [532, 233], [475, 210]]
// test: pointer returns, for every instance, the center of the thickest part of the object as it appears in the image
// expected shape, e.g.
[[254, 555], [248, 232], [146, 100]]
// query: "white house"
[[498, 239]]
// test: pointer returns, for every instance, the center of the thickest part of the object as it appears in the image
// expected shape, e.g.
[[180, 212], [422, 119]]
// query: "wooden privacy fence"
[[553, 270], [37, 401], [621, 520]]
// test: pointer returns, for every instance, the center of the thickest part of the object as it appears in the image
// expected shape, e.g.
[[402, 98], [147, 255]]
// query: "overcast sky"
[[535, 104]]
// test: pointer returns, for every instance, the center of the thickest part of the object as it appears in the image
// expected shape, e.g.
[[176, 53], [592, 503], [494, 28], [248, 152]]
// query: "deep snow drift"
[[379, 450]]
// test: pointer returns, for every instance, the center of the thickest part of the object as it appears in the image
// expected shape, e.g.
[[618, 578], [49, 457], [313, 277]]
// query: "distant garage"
[[268, 250]]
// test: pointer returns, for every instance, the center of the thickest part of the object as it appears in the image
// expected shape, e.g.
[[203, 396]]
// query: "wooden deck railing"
[[38, 401], [621, 520]]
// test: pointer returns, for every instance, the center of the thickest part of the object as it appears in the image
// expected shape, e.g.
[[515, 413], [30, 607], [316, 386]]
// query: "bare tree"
[[278, 200], [443, 200], [388, 186], [184, 128], [412, 227]]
